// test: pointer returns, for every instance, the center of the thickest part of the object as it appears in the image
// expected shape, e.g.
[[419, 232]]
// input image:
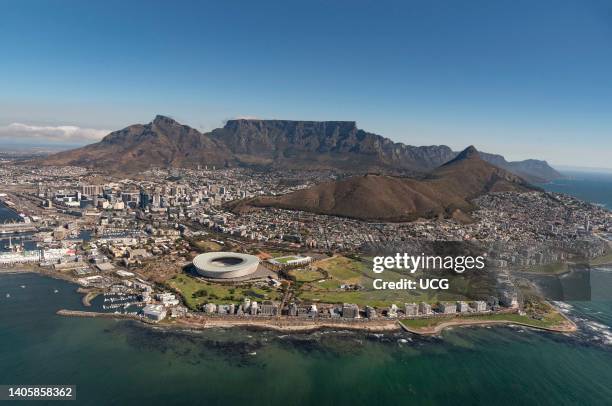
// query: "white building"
[[154, 312], [392, 311], [291, 261], [210, 308], [350, 311], [167, 299], [462, 307], [411, 309], [253, 308], [447, 308], [479, 306], [425, 309]]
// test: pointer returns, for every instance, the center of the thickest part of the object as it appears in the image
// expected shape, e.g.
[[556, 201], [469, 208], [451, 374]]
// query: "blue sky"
[[521, 78]]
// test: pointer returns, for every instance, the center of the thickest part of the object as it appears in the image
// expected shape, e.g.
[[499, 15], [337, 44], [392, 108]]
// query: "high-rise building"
[[210, 308], [268, 308], [479, 305], [144, 199], [350, 311], [392, 311], [91, 190], [587, 225], [425, 308], [447, 308], [411, 309], [293, 309], [254, 308], [462, 307]]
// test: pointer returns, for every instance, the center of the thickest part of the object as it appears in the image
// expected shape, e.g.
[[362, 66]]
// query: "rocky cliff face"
[[533, 170], [278, 144], [301, 144], [161, 143]]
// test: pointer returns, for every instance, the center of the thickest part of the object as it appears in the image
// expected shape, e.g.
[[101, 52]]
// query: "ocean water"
[[124, 362], [115, 362], [590, 186], [8, 215]]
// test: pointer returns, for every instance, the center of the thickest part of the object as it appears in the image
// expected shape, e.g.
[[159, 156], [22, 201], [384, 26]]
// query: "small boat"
[[55, 291], [8, 295], [252, 353], [23, 286]]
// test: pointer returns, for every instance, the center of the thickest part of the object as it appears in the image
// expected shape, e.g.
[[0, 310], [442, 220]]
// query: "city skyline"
[[522, 80]]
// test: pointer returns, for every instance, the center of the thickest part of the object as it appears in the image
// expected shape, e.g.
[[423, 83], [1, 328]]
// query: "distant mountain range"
[[274, 144], [445, 192]]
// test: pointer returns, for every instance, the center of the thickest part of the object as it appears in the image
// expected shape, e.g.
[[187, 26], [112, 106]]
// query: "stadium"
[[225, 265]]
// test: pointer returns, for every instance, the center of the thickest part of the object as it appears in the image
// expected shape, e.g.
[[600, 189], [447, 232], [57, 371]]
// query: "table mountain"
[[276, 144]]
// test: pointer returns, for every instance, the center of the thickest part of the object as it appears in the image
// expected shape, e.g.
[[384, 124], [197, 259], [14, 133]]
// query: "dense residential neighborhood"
[[132, 238]]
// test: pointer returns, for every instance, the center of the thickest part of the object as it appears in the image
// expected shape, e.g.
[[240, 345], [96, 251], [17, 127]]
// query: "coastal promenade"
[[565, 326], [81, 313], [16, 228], [290, 324], [14, 270], [283, 324], [437, 329], [287, 324]]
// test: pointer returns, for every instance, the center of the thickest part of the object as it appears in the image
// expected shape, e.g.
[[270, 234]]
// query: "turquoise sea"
[[122, 362]]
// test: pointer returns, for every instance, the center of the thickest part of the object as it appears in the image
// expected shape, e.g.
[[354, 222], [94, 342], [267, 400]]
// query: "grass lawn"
[[196, 292], [343, 270], [556, 268], [306, 275], [207, 245], [284, 260], [549, 320], [376, 298], [277, 253], [603, 260]]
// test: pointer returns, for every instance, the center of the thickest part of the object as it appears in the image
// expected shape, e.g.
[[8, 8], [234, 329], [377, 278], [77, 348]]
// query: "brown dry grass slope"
[[447, 191]]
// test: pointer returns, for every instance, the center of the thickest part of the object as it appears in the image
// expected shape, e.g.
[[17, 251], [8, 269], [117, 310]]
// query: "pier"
[[80, 313], [16, 228]]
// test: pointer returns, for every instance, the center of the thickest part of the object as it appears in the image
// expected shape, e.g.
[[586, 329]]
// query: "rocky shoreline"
[[569, 327], [278, 323], [286, 325]]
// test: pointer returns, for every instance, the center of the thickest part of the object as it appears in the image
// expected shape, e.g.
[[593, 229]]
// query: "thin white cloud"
[[61, 134]]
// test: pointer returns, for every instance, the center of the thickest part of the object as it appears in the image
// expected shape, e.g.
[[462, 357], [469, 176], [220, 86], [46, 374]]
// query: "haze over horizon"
[[521, 79]]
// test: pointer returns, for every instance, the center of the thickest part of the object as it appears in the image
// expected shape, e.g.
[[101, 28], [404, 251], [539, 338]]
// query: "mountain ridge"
[[276, 144], [445, 192]]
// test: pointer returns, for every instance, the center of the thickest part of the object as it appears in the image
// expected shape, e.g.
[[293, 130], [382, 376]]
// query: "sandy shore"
[[88, 296]]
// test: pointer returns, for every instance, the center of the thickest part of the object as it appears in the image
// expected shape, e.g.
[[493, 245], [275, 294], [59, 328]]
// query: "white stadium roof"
[[225, 265]]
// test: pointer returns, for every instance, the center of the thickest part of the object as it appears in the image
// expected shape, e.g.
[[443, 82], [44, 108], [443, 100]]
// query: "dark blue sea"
[[590, 186], [7, 214]]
